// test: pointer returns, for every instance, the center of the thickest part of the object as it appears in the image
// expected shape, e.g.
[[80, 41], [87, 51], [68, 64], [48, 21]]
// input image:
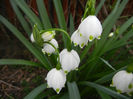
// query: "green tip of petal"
[[57, 90], [80, 34], [75, 44], [119, 91], [66, 72], [111, 85], [43, 52], [47, 86], [130, 86], [76, 69], [91, 38], [49, 54], [99, 37], [82, 45]]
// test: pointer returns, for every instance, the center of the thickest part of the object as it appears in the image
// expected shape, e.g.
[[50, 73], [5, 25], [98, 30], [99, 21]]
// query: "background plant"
[[92, 61]]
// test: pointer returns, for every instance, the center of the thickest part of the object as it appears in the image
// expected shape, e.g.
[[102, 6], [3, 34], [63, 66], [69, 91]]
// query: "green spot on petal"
[[47, 86], [119, 91], [130, 86], [57, 90], [80, 34], [66, 72], [76, 69], [49, 54], [91, 37], [99, 37], [82, 45], [75, 44]]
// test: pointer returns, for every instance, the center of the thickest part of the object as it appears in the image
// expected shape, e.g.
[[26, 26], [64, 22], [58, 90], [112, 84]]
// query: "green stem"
[[58, 66], [62, 31]]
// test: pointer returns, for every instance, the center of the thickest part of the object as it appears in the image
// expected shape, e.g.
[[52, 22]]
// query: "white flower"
[[90, 27], [123, 81], [49, 49], [32, 38], [47, 36], [56, 79], [69, 60], [78, 39]]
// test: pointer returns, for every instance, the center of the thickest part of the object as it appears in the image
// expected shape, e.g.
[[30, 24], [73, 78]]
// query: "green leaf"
[[24, 7], [73, 90], [108, 77], [31, 48], [107, 63], [18, 62], [61, 18], [20, 17], [99, 6], [36, 91], [43, 14], [103, 95], [105, 90], [72, 29]]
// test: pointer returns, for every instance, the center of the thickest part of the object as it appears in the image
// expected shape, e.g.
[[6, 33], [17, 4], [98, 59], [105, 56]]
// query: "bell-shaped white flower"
[[47, 36], [90, 27], [123, 82], [56, 79], [69, 60], [49, 49], [78, 39], [32, 38]]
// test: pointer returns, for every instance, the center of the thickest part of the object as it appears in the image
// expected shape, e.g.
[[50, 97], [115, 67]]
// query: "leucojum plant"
[[81, 69]]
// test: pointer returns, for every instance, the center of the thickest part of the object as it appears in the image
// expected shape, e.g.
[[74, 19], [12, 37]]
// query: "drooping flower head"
[[89, 29], [49, 49], [47, 36], [32, 38], [69, 60], [56, 79], [123, 82]]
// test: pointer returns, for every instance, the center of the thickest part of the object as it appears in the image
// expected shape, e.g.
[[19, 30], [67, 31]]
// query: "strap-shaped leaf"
[[108, 77], [99, 6], [20, 17], [36, 92], [43, 14], [73, 90], [103, 95], [19, 62], [105, 90], [30, 47], [61, 18], [24, 7], [107, 63]]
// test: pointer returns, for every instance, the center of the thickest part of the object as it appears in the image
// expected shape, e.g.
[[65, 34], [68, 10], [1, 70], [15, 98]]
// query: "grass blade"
[[105, 90], [99, 6], [31, 48], [72, 29], [108, 77], [73, 90], [43, 14], [61, 18], [103, 95], [20, 17], [24, 7], [19, 62], [107, 63], [36, 91]]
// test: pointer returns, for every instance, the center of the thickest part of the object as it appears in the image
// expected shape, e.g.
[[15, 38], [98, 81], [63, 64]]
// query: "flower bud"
[[90, 27], [56, 79], [69, 60], [32, 38], [49, 49], [47, 36], [123, 81]]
